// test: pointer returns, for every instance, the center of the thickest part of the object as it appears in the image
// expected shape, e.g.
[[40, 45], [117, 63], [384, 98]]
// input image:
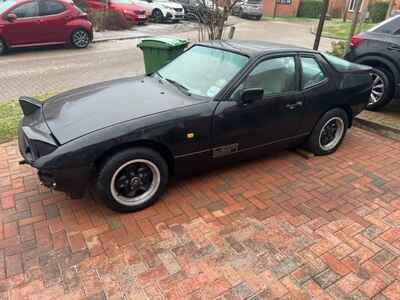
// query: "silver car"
[[249, 9]]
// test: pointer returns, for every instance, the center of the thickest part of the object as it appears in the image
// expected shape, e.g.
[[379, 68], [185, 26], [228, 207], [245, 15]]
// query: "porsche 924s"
[[216, 102]]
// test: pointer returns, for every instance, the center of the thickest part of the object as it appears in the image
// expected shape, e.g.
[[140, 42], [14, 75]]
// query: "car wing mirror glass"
[[251, 95], [11, 17]]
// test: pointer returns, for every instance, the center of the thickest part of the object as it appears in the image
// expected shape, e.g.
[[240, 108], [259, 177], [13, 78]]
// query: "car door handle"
[[294, 105]]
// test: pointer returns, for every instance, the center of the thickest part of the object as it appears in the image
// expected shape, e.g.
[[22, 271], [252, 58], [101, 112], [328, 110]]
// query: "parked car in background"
[[162, 10], [197, 10], [248, 9], [236, 100], [132, 12], [379, 48], [26, 23]]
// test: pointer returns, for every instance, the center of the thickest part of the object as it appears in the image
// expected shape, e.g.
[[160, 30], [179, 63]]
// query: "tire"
[[80, 39], [329, 132], [132, 179], [382, 89], [258, 18], [157, 15], [241, 14], [3, 47]]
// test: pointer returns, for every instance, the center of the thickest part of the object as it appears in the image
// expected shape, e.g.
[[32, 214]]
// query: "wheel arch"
[[380, 61], [160, 148]]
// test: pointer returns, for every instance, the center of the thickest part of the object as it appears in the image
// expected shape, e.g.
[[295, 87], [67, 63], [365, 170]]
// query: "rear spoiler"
[[29, 105]]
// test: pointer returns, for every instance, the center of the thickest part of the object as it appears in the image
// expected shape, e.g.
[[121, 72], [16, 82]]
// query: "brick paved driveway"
[[280, 227]]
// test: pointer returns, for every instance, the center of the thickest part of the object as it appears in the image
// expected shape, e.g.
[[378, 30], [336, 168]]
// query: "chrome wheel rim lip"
[[81, 38], [378, 89], [339, 124], [148, 194]]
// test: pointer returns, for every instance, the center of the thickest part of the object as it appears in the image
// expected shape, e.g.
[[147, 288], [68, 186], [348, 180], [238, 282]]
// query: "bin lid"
[[162, 42]]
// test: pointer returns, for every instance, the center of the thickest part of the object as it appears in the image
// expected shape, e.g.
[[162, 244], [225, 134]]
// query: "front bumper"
[[136, 19], [175, 15]]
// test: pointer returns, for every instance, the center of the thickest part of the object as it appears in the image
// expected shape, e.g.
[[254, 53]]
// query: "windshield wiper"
[[178, 85]]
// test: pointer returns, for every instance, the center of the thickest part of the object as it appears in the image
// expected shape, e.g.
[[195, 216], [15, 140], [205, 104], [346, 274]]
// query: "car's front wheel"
[[329, 132], [381, 92], [133, 179], [2, 47], [80, 39], [157, 15]]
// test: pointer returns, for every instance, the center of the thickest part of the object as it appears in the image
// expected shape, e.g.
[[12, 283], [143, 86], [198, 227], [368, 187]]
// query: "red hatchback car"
[[133, 13], [25, 23]]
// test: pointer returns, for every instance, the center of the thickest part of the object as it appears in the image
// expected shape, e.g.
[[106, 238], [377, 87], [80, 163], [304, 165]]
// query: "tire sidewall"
[[3, 46], [157, 15], [72, 39], [111, 166], [314, 139], [387, 95]]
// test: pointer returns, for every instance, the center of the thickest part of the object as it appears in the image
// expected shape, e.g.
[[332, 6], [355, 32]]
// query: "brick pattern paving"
[[279, 227]]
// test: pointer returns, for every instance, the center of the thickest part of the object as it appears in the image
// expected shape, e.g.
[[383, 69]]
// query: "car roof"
[[253, 48]]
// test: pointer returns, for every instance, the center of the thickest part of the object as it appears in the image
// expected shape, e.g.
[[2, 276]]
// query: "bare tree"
[[212, 16]]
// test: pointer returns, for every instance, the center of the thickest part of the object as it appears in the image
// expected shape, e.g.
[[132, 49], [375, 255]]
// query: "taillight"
[[355, 41]]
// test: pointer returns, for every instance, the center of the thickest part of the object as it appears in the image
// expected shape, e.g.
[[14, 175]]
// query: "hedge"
[[310, 8], [377, 11]]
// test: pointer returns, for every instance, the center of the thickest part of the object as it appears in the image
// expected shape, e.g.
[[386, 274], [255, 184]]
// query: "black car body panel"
[[108, 98], [86, 126], [380, 47]]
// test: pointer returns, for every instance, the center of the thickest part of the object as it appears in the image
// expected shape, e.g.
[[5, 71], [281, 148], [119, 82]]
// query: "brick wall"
[[282, 10]]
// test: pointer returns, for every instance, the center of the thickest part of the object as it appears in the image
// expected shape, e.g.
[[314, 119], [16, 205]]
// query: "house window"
[[353, 4], [288, 2]]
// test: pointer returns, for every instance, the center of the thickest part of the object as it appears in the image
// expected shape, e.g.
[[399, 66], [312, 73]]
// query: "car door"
[[275, 118], [25, 29], [54, 18], [318, 90]]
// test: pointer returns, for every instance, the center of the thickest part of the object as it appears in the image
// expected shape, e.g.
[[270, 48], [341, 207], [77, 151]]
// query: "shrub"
[[338, 48], [108, 20], [377, 10], [310, 8]]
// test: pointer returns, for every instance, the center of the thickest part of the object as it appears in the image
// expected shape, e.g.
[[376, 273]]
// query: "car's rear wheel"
[[133, 179], [382, 89], [329, 132], [2, 47], [80, 39]]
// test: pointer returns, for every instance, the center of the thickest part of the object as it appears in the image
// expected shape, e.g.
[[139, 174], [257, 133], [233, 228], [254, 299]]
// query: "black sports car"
[[218, 101]]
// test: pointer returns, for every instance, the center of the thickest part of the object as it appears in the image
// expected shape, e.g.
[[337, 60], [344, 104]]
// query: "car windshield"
[[6, 5], [203, 71]]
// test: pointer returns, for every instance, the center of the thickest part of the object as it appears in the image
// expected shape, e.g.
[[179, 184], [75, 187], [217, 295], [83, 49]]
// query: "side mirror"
[[251, 95], [11, 17]]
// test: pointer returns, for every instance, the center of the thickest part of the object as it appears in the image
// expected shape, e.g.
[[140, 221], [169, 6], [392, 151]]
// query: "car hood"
[[78, 112], [129, 7], [171, 4]]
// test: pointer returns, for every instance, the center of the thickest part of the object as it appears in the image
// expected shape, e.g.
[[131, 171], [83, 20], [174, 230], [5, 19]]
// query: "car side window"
[[27, 10], [311, 72], [274, 76], [48, 8]]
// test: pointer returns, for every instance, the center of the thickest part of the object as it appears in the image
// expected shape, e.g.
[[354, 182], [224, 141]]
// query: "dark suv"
[[380, 48]]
